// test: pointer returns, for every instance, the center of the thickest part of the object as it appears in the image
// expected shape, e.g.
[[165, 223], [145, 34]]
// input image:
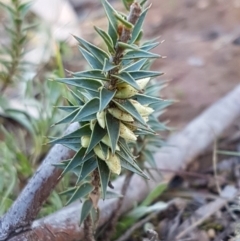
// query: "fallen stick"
[[204, 212], [181, 150], [28, 204]]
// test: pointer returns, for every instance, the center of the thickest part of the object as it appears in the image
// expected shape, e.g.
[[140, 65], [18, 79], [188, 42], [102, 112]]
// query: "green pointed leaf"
[[156, 125], [24, 7], [29, 27], [139, 146], [107, 66], [73, 137], [97, 134], [122, 154], [148, 156], [113, 23], [138, 26], [106, 38], [88, 109], [104, 176], [91, 84], [154, 194], [113, 129], [148, 64], [125, 148], [123, 21], [128, 46], [149, 46], [139, 54], [113, 33], [134, 66], [105, 149], [65, 140], [144, 132], [86, 208], [132, 168], [81, 192], [139, 37], [68, 118], [128, 107], [154, 89], [68, 192], [91, 74], [156, 142], [141, 211], [111, 195], [141, 74], [142, 127], [87, 167], [84, 95], [77, 98], [69, 102], [127, 62], [95, 51], [127, 3], [160, 107], [143, 2], [146, 99], [87, 95], [92, 61], [68, 109], [89, 117], [151, 41], [105, 97], [77, 160], [8, 8], [11, 32], [73, 146], [62, 164], [127, 78]]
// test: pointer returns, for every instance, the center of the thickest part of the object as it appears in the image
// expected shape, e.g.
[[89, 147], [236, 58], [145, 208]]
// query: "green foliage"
[[143, 209], [229, 153], [26, 113], [12, 55], [115, 109]]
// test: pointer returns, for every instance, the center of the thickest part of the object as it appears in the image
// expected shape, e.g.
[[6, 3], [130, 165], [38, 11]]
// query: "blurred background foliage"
[[27, 97]]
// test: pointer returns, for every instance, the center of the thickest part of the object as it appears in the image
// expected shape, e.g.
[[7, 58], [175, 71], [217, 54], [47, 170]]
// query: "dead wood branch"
[[181, 150], [26, 208]]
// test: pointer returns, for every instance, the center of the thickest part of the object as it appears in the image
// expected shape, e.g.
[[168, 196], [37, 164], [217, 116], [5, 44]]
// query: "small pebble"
[[195, 61], [211, 233]]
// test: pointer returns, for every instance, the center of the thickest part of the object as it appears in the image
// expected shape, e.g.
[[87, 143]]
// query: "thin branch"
[[134, 14], [111, 225], [88, 229]]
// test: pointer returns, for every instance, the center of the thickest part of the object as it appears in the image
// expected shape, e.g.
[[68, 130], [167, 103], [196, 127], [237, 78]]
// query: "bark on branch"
[[27, 206], [181, 150]]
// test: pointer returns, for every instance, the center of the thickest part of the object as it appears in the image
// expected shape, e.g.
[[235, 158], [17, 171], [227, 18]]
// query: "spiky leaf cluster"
[[114, 104], [11, 56]]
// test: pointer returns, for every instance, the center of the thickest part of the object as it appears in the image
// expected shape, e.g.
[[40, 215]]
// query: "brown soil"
[[202, 59]]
